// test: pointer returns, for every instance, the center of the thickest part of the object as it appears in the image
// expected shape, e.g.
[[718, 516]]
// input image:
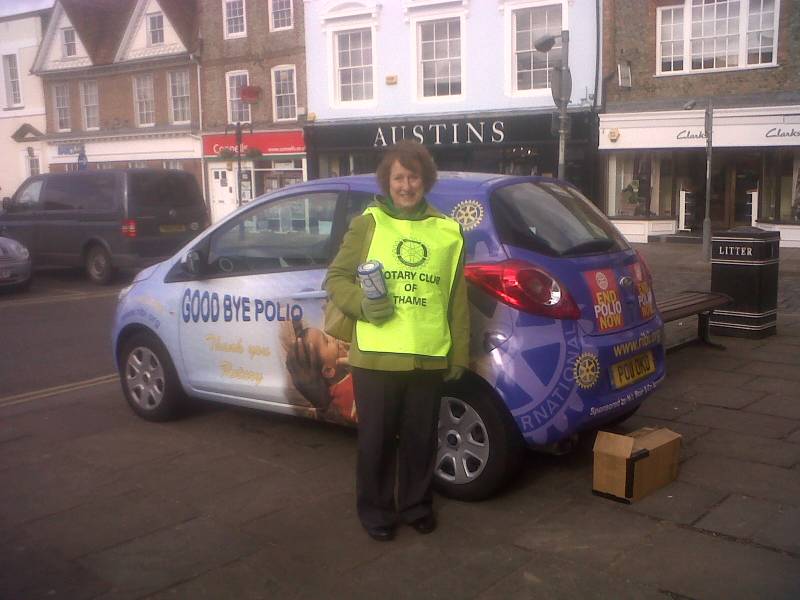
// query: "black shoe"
[[381, 534], [425, 524]]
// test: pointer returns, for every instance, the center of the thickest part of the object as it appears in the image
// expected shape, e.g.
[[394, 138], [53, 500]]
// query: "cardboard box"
[[628, 467]]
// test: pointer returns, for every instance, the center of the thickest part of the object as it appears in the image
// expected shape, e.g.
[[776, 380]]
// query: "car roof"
[[459, 182]]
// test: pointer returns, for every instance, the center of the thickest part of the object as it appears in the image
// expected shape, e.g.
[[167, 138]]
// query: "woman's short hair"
[[414, 157]]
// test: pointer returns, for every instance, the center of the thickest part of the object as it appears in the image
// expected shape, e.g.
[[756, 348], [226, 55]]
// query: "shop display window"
[[780, 192]]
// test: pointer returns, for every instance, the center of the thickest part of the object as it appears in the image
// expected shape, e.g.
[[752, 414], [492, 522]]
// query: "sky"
[[12, 7]]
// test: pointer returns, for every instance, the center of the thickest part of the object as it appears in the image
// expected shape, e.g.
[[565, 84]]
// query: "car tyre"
[[479, 445], [98, 265], [149, 380]]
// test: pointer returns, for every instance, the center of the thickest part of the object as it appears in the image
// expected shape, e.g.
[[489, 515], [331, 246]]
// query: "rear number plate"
[[629, 371], [172, 228]]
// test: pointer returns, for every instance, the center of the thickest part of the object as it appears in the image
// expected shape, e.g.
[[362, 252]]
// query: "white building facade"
[[461, 76], [22, 108]]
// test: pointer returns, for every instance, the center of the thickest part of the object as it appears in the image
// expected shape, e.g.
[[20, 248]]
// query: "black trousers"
[[398, 413]]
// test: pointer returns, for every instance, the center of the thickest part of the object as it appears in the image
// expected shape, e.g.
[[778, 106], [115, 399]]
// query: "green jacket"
[[343, 289]]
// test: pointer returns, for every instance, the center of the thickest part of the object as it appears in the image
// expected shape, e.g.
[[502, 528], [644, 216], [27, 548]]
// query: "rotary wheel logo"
[[586, 370], [411, 252], [468, 214]]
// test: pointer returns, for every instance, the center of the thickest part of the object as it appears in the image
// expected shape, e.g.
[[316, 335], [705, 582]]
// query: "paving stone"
[[779, 405], [739, 516], [736, 476], [678, 502], [769, 369], [169, 556], [743, 422], [722, 395], [773, 385], [694, 376], [663, 407], [30, 571], [548, 577], [593, 532], [125, 446], [783, 356], [794, 437], [748, 447], [782, 530], [693, 564], [106, 522]]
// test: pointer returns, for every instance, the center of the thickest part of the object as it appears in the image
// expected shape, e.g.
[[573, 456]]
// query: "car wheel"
[[149, 380], [480, 447], [98, 265]]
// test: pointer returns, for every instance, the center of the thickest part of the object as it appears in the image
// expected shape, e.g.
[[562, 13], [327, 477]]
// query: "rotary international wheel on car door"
[[479, 446], [149, 380]]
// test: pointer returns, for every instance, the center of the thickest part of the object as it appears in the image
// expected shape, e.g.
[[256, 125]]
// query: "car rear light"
[[525, 287], [129, 228]]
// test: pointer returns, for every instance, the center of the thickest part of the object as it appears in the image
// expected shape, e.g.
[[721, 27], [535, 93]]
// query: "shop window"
[[630, 186], [353, 56], [531, 67], [280, 15], [439, 57], [780, 192], [703, 35], [235, 18]]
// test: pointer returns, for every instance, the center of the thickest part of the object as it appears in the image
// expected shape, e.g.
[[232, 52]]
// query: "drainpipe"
[[206, 192]]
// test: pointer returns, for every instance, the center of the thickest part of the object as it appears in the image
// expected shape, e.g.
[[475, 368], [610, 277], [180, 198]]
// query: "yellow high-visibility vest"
[[420, 259]]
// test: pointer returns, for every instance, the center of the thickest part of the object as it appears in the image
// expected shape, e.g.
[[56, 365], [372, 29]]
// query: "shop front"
[[269, 161], [519, 144], [654, 167]]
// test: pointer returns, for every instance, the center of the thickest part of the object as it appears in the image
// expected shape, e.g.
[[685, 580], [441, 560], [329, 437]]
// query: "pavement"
[[227, 503]]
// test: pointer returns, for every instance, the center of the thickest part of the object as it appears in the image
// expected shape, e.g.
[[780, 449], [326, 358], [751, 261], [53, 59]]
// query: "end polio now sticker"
[[606, 299], [644, 292]]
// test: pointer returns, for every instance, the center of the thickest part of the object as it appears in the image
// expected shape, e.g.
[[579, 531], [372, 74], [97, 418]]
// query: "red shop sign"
[[269, 142]]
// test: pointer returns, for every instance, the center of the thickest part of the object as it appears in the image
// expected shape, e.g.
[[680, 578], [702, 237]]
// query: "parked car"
[[105, 219], [565, 332], [15, 265]]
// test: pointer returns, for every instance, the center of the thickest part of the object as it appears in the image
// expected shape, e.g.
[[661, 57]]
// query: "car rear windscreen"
[[163, 190], [552, 219]]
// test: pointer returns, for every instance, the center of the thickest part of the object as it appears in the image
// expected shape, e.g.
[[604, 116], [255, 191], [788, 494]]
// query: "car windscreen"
[[152, 191], [552, 219]]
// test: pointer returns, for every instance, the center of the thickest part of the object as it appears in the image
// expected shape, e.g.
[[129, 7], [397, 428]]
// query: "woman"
[[405, 344]]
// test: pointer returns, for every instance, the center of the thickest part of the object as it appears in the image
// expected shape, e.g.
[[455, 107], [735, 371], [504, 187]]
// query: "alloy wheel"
[[463, 442], [144, 378]]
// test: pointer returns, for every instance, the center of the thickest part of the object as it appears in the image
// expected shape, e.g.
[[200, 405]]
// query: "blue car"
[[565, 332]]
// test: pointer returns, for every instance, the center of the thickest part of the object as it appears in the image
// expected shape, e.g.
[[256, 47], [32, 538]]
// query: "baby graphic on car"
[[318, 367]]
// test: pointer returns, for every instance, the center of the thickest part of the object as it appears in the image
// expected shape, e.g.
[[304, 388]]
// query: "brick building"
[[668, 63], [120, 81], [253, 73]]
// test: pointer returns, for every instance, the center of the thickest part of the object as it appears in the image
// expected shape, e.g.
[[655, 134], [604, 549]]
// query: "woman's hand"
[[377, 310]]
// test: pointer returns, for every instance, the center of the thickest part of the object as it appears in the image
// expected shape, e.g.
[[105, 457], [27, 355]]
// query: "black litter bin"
[[744, 265]]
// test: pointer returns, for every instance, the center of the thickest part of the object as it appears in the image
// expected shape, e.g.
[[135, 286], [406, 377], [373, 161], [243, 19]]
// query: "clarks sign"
[[437, 134], [779, 132]]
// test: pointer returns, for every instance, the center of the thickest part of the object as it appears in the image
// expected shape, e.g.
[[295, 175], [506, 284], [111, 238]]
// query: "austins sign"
[[436, 134]]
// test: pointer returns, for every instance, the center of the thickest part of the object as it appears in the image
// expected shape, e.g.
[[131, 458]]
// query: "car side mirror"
[[194, 263]]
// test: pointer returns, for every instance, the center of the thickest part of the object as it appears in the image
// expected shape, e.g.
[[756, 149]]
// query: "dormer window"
[[155, 29], [69, 46]]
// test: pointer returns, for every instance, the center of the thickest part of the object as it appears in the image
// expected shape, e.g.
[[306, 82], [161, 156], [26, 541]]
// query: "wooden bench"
[[690, 303]]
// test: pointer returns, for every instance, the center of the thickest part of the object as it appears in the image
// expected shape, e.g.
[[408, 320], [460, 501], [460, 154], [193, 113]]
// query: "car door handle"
[[309, 294]]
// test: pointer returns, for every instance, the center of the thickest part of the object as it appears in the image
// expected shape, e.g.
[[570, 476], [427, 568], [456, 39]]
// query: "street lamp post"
[[708, 132], [562, 90], [238, 136]]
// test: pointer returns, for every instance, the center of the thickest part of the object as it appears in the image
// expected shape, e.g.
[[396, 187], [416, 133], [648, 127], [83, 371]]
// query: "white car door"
[[261, 291]]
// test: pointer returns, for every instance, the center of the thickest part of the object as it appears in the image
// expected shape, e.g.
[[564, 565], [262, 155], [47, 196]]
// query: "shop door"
[[223, 193], [745, 183]]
